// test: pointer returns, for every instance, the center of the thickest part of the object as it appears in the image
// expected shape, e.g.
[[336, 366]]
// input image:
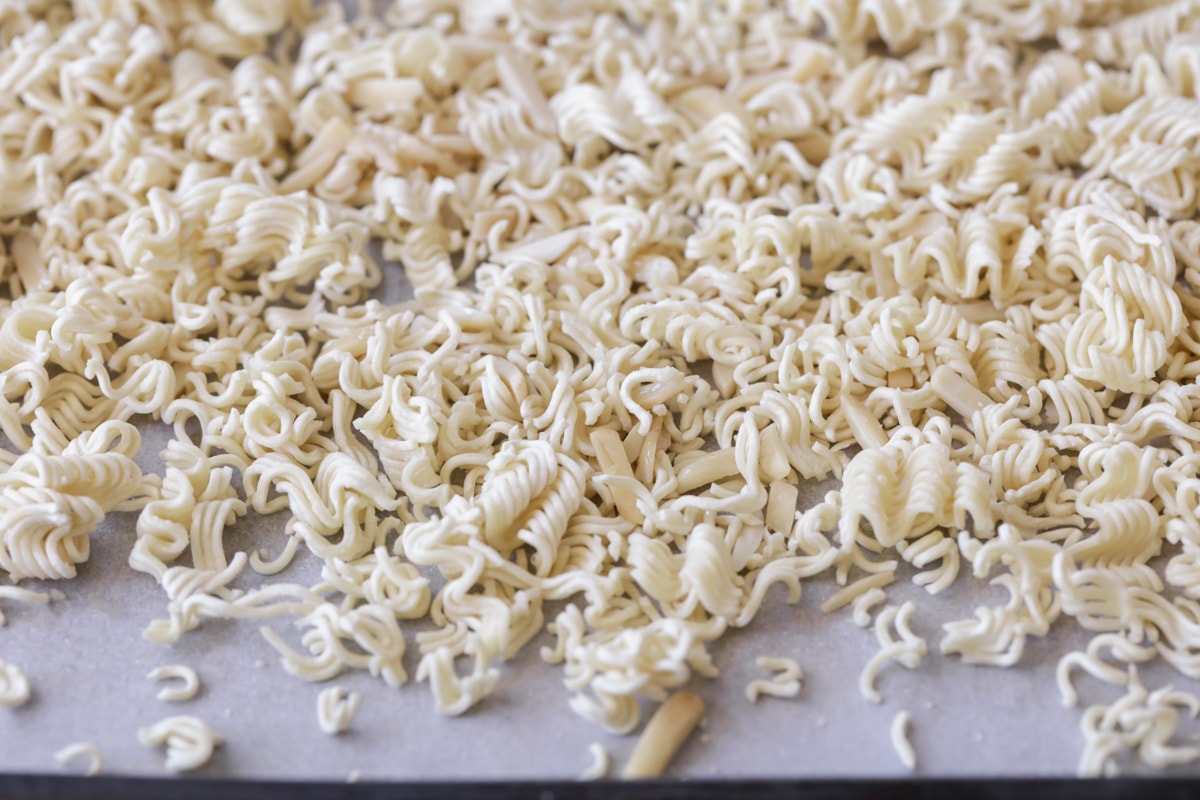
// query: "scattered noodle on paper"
[[88, 753], [189, 741], [900, 743], [14, 685], [189, 683], [907, 650], [601, 763], [786, 682], [336, 708], [665, 733], [947, 254]]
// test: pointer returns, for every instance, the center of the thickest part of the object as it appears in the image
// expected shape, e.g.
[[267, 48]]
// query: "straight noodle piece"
[[774, 464], [665, 733], [517, 78], [957, 392], [319, 156], [848, 594], [866, 429], [781, 506], [723, 378], [610, 452], [385, 94], [707, 468], [648, 452]]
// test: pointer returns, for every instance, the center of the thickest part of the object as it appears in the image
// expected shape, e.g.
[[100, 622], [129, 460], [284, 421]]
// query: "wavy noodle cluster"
[[670, 261]]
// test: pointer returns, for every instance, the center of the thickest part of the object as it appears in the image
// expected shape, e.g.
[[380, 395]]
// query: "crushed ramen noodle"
[[189, 741], [86, 752], [900, 743], [336, 708], [14, 686], [670, 262], [601, 763], [187, 689], [786, 682]]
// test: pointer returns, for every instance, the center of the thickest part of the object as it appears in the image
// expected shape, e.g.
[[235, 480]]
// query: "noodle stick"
[[665, 733]]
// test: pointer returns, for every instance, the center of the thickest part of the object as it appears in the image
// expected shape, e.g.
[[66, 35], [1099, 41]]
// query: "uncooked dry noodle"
[[900, 742], [906, 651], [14, 686], [668, 265], [601, 763], [176, 694], [336, 708], [82, 750], [189, 741], [784, 683]]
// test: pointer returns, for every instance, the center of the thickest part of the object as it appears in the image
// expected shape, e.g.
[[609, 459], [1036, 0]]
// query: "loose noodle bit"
[[189, 741], [176, 694], [1141, 721], [336, 708], [667, 266], [82, 750], [1091, 662], [785, 683], [14, 686], [865, 603], [601, 763], [900, 742], [850, 594], [905, 651]]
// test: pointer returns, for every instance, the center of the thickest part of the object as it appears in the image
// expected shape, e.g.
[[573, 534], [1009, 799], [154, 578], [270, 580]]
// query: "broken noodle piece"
[[665, 733]]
